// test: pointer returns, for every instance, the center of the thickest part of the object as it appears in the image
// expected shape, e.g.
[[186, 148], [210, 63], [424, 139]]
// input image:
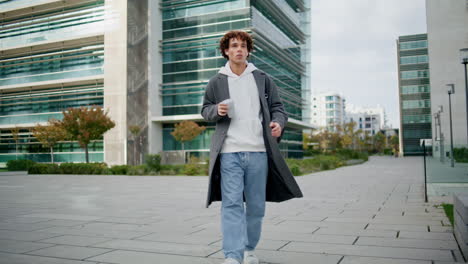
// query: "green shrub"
[[346, 154], [324, 166], [84, 168], [119, 169], [138, 170], [153, 161], [168, 169], [460, 154], [44, 168], [296, 170], [194, 167], [387, 151], [19, 165], [312, 152]]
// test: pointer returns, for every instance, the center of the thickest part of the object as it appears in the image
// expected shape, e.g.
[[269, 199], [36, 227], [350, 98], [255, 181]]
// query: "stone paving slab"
[[407, 243], [355, 232], [160, 247], [370, 251], [373, 260], [391, 227], [426, 235], [132, 257], [25, 236], [8, 258], [75, 240], [283, 257], [69, 252], [368, 213], [13, 246]]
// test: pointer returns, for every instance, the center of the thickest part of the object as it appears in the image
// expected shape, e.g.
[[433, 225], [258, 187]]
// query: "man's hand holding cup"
[[226, 107]]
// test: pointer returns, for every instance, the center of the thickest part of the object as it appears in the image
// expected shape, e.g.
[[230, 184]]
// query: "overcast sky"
[[354, 48]]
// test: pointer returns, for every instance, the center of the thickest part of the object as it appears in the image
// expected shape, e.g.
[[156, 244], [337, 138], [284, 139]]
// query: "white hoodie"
[[245, 131]]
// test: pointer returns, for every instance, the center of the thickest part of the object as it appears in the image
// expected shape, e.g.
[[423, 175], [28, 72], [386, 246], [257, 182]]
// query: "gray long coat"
[[281, 185]]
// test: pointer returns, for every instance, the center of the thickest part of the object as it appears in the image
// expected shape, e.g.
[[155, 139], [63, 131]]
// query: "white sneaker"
[[230, 261], [250, 257]]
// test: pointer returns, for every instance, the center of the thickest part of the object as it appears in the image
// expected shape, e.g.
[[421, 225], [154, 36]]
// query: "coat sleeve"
[[209, 109], [277, 112]]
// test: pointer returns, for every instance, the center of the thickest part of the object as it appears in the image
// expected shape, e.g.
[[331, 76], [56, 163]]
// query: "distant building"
[[414, 93], [368, 119], [328, 110]]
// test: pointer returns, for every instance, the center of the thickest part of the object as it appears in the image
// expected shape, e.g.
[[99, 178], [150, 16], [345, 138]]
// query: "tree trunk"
[[183, 152], [52, 154], [134, 151], [16, 156], [86, 154]]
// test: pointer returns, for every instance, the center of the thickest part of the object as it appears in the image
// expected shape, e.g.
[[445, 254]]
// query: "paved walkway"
[[370, 213]]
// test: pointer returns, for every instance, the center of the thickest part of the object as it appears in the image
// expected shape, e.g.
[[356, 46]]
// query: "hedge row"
[[152, 166], [324, 162], [460, 154]]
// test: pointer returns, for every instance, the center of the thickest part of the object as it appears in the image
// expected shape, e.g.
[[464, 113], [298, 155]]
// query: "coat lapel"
[[223, 88], [260, 81]]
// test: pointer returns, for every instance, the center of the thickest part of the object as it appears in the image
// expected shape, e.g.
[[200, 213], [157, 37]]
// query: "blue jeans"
[[242, 173]]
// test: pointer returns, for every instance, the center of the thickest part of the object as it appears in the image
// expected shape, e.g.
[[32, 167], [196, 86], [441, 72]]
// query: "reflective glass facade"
[[191, 33], [414, 90], [52, 58], [50, 22]]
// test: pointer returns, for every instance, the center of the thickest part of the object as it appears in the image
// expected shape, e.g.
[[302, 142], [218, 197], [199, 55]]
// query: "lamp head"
[[451, 88], [464, 55]]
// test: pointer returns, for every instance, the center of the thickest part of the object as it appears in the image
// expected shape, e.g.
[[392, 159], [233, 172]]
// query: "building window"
[[410, 104], [415, 74], [414, 59], [414, 89], [413, 45]]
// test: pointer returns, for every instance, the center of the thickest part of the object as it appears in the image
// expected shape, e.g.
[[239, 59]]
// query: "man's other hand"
[[275, 129], [222, 109]]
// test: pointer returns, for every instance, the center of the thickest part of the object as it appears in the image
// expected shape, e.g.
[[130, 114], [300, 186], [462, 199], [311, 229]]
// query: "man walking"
[[245, 161]]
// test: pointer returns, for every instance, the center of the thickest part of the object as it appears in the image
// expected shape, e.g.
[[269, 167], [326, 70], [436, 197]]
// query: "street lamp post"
[[451, 91], [464, 61], [441, 135]]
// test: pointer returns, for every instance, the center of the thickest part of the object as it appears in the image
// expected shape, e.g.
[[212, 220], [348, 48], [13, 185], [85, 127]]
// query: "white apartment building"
[[370, 119], [328, 110]]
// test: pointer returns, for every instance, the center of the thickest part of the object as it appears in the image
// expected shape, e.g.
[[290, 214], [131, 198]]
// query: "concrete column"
[[115, 81]]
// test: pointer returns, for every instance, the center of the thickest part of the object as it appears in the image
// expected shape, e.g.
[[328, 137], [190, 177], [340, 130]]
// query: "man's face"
[[237, 51]]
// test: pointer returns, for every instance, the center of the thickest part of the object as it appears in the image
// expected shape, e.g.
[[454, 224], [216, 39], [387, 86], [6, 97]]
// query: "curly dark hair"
[[236, 34]]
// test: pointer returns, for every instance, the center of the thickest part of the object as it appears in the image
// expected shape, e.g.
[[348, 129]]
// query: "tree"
[[86, 124], [134, 130], [15, 135], [186, 131], [49, 135], [379, 142], [395, 143]]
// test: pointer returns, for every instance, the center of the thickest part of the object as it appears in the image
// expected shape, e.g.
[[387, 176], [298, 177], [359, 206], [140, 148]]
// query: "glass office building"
[[51, 58], [414, 93], [146, 62], [60, 54], [190, 54]]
